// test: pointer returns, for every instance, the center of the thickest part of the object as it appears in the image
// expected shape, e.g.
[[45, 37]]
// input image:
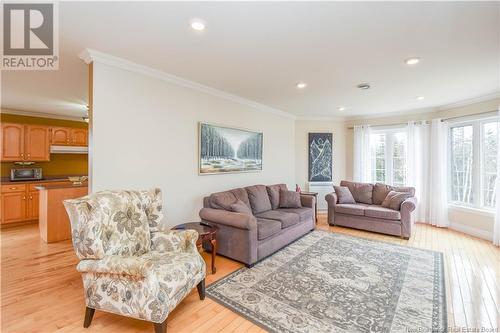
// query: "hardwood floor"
[[41, 291]]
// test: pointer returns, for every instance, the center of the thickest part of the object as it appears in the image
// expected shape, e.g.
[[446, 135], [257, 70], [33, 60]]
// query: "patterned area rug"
[[328, 282]]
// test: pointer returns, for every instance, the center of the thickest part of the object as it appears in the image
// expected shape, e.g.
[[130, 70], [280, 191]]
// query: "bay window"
[[388, 156], [473, 158]]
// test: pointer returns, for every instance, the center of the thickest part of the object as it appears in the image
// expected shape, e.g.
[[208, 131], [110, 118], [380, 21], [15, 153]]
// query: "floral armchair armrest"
[[116, 264], [174, 241]]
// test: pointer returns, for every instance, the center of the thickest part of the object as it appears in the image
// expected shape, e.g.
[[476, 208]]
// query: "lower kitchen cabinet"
[[13, 207], [33, 204]]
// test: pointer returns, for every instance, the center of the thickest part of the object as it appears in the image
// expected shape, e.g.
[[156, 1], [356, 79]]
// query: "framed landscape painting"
[[320, 157], [226, 150]]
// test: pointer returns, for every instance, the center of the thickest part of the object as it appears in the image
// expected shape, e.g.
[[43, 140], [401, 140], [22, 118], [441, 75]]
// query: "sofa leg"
[[161, 327], [201, 289], [406, 238], [89, 314], [249, 265]]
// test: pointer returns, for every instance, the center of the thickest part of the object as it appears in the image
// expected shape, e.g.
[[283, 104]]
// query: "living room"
[[337, 160]]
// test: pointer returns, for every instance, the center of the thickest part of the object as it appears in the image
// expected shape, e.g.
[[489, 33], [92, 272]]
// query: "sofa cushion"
[[344, 196], [394, 199], [222, 200], [304, 213], [351, 209], [274, 194], [240, 207], [286, 219], [289, 199], [362, 192], [382, 213], [241, 194], [380, 191], [267, 228], [259, 199]]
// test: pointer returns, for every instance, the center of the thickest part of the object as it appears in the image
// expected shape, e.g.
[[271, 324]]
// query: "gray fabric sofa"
[[250, 238], [368, 214]]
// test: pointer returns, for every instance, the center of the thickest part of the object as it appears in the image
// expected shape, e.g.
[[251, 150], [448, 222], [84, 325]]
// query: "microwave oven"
[[26, 174]]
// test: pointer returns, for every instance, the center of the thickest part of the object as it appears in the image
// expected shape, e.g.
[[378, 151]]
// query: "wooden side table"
[[315, 195], [206, 234]]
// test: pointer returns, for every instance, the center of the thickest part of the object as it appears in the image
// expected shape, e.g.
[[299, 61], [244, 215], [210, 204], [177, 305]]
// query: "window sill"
[[482, 211]]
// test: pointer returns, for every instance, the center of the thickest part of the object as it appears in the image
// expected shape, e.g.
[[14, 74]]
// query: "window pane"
[[377, 146], [489, 142], [461, 164], [399, 159]]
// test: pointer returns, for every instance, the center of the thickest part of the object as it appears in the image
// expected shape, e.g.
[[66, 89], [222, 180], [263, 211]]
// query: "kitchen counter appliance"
[[21, 174]]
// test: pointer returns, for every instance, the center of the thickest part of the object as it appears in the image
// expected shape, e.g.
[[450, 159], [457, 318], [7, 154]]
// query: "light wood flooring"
[[41, 291]]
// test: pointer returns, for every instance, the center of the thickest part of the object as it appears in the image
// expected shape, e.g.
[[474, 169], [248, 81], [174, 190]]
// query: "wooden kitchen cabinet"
[[12, 142], [33, 200], [25, 142], [61, 136], [79, 137], [37, 143], [13, 207]]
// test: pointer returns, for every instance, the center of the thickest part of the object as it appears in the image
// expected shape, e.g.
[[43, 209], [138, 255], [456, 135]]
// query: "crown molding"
[[320, 118], [470, 101], [41, 115], [90, 55]]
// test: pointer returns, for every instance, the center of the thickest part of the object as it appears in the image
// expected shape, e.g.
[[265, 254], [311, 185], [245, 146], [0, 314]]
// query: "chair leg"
[[161, 327], [201, 289], [89, 314]]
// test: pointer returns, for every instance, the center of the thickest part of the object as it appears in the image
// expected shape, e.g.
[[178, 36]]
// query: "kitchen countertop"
[[59, 186], [47, 179]]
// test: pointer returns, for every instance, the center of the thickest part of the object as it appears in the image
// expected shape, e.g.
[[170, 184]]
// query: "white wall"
[[145, 134]]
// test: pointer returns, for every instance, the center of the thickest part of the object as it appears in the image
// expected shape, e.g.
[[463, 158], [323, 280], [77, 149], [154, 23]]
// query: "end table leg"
[[214, 253]]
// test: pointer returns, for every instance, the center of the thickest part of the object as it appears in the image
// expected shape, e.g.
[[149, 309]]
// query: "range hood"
[[68, 150]]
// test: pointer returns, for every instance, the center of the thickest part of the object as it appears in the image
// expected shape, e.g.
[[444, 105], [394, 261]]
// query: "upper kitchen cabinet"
[[79, 137], [37, 143], [12, 142], [61, 136], [66, 136], [25, 142]]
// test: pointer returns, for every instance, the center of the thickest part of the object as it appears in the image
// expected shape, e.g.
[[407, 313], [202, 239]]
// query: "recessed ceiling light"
[[363, 86], [301, 85], [412, 61], [198, 24], [420, 98], [341, 108]]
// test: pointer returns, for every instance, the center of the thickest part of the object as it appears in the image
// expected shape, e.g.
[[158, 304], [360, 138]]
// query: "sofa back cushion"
[[344, 196], [222, 200], [380, 192], [290, 199], [274, 194], [259, 199], [362, 192]]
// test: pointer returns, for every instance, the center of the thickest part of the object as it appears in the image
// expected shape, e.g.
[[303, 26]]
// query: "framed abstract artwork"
[[320, 157], [227, 150]]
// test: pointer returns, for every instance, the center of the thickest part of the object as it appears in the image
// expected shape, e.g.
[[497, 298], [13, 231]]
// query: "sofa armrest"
[[232, 219], [115, 264], [174, 240], [407, 207], [331, 198], [307, 200]]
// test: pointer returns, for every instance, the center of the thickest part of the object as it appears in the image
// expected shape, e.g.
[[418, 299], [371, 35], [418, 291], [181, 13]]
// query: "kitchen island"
[[54, 223]]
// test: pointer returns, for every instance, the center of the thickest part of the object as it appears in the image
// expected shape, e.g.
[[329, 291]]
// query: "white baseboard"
[[466, 229]]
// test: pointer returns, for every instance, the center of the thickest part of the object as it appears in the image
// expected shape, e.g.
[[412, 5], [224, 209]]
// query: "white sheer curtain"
[[437, 191], [361, 160], [417, 163], [496, 227]]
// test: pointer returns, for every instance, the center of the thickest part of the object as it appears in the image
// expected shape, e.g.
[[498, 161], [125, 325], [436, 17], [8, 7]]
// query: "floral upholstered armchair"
[[129, 266]]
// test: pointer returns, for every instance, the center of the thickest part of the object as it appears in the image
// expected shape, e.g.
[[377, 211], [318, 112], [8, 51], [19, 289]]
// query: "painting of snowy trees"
[[224, 149], [320, 157]]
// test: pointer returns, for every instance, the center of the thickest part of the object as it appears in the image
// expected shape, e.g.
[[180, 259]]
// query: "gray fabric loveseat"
[[367, 212], [265, 228]]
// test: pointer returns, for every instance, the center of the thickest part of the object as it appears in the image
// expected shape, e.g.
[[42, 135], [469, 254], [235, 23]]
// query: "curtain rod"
[[426, 121]]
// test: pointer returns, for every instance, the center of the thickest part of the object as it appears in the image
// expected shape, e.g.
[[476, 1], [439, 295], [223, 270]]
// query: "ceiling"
[[260, 50]]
